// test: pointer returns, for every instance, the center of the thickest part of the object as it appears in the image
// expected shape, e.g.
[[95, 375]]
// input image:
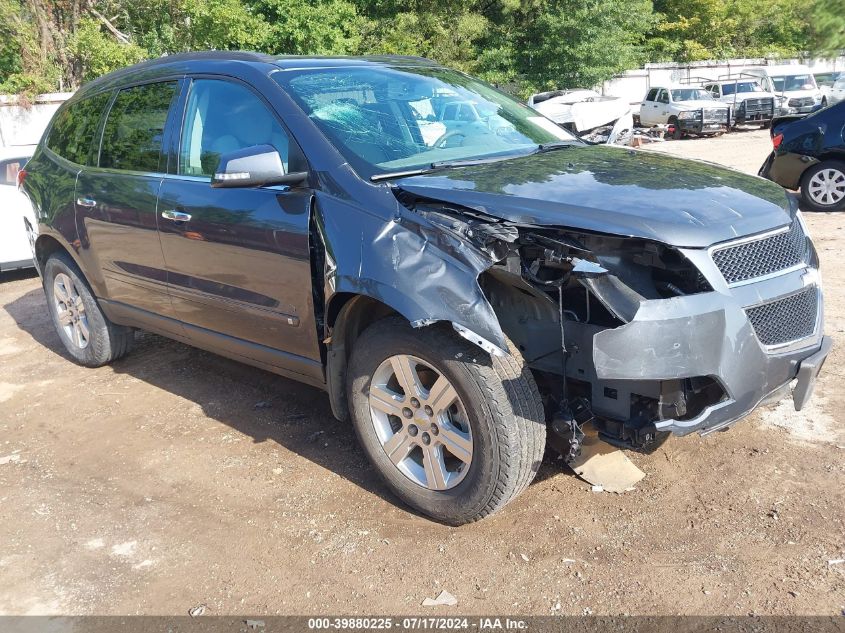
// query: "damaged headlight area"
[[588, 283], [553, 290]]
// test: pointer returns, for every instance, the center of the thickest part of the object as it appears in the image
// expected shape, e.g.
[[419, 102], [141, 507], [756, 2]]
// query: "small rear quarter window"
[[72, 135]]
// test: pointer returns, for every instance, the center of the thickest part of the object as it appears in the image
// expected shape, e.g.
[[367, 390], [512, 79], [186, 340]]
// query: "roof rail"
[[737, 77], [693, 80]]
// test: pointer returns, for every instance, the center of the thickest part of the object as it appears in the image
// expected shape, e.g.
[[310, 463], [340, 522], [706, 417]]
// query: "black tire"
[[105, 340], [806, 179], [678, 133], [502, 405]]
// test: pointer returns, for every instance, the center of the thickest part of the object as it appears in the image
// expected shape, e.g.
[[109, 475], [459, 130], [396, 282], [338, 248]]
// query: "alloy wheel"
[[70, 311], [827, 187], [421, 422]]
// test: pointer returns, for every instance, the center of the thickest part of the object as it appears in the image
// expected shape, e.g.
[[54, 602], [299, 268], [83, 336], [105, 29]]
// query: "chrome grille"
[[785, 320], [754, 106], [801, 102], [715, 114], [761, 257]]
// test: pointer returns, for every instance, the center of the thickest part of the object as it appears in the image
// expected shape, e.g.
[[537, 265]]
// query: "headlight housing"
[[651, 269], [688, 114]]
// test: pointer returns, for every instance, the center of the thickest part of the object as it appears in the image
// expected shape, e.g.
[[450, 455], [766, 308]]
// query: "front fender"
[[419, 269]]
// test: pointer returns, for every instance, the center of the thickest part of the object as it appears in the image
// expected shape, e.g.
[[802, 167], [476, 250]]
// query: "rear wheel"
[[87, 334], [455, 433], [823, 186]]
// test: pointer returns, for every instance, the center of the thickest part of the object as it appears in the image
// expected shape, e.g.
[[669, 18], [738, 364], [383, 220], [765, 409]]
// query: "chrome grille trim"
[[787, 320], [762, 256], [710, 115]]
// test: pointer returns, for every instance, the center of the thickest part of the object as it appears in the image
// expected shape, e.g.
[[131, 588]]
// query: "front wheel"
[[823, 186], [87, 334], [677, 132], [454, 432]]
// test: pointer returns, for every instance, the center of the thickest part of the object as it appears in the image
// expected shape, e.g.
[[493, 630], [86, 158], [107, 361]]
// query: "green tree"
[[98, 53], [320, 27], [567, 44]]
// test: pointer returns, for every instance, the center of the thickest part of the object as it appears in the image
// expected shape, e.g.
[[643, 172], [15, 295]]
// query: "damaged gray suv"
[[466, 280]]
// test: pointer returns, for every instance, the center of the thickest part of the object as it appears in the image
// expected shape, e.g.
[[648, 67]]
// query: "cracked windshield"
[[386, 120]]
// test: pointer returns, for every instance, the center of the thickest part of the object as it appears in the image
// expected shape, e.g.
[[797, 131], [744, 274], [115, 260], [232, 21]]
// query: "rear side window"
[[134, 129], [652, 95], [73, 131]]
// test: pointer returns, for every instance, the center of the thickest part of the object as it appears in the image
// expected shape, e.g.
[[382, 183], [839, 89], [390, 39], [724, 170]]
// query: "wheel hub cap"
[[827, 187], [421, 422], [70, 311]]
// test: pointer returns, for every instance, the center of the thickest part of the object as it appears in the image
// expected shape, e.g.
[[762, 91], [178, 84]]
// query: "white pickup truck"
[[686, 109]]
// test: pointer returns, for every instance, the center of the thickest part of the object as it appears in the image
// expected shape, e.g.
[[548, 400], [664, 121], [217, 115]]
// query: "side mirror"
[[254, 166]]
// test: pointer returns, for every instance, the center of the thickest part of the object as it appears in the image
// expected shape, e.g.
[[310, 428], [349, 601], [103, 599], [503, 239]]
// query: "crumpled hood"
[[614, 190]]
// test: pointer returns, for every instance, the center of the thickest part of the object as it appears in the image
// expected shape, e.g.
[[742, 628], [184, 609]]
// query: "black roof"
[[188, 62]]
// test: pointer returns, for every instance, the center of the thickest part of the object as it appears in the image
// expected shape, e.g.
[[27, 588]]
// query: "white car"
[[15, 251], [579, 110], [836, 92], [749, 101], [793, 83], [686, 109]]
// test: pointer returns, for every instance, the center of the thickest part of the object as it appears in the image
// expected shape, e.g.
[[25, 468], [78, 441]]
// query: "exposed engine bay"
[[553, 290]]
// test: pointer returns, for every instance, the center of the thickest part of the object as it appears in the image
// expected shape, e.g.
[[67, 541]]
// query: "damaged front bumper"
[[712, 336]]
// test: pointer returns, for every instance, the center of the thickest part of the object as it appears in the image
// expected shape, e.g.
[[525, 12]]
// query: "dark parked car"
[[437, 276], [809, 154]]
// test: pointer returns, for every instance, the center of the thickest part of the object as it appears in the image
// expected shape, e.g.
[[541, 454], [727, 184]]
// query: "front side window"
[[794, 82], [72, 135], [690, 94], [742, 86], [224, 117], [386, 119], [663, 96], [134, 130]]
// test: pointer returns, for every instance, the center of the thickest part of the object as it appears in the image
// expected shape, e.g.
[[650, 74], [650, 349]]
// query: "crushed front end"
[[661, 340]]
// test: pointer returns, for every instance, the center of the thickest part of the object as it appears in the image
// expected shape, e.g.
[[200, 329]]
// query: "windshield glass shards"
[[390, 119]]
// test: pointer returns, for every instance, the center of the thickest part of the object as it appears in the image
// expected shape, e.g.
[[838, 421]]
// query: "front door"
[[238, 259], [116, 199], [648, 108]]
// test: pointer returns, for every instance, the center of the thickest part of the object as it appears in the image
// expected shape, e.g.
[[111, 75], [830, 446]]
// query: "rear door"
[[15, 251], [238, 259], [116, 199]]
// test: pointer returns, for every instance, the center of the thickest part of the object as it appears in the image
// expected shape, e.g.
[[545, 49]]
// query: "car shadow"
[[254, 402], [17, 275]]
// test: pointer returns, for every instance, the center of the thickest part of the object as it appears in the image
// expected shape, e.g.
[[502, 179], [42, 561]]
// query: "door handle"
[[86, 202], [176, 216]]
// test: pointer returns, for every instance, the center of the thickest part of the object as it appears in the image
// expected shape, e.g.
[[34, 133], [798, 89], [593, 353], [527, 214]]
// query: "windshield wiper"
[[550, 147], [444, 164], [449, 164], [402, 174]]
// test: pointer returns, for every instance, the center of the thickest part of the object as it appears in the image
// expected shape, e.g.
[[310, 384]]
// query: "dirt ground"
[[176, 478]]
